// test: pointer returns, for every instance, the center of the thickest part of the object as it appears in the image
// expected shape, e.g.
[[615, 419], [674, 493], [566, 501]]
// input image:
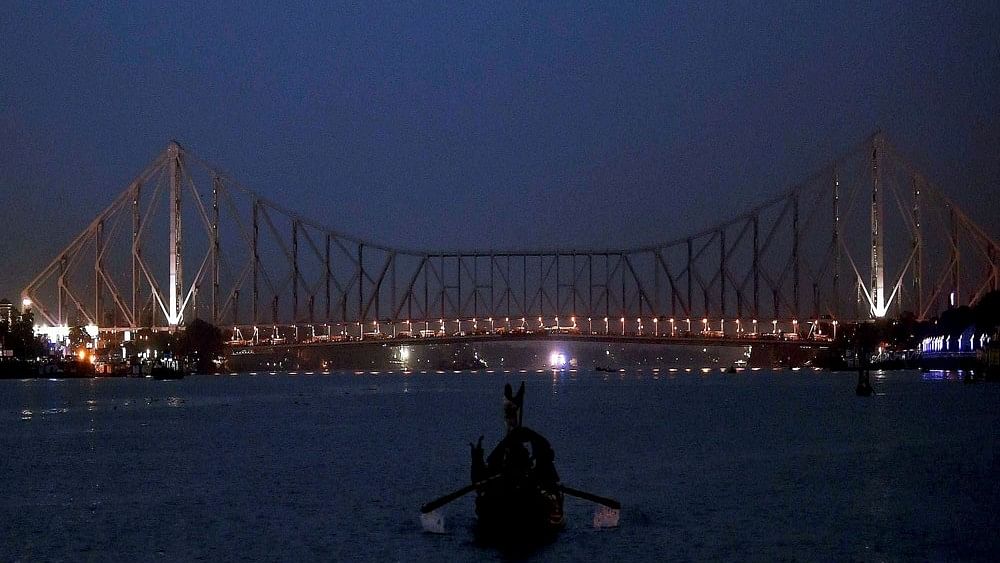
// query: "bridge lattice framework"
[[862, 237]]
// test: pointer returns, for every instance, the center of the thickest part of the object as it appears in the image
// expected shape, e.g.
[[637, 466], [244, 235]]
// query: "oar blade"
[[606, 517], [433, 522]]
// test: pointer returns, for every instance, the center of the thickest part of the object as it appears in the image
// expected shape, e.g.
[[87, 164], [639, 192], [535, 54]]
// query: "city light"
[[557, 360]]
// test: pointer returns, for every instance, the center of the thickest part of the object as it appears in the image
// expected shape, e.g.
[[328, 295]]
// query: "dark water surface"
[[759, 465]]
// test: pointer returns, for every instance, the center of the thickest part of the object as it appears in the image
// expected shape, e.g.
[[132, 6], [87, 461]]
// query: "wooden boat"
[[520, 499], [518, 496]]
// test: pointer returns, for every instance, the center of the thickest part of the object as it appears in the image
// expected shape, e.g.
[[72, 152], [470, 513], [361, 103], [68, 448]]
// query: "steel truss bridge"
[[865, 236]]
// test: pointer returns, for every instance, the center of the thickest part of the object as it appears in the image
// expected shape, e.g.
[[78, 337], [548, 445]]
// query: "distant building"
[[7, 310]]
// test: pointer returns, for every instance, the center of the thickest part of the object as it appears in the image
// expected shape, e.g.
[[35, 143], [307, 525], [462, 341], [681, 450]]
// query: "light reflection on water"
[[810, 472], [945, 374]]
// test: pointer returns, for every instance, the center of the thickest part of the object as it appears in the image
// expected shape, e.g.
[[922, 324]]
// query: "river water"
[[759, 465]]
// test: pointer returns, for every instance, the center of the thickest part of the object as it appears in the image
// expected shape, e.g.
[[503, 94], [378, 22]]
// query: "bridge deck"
[[603, 338]]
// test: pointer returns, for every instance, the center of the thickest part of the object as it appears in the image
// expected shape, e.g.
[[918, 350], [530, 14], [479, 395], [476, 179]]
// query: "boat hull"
[[518, 515], [163, 373]]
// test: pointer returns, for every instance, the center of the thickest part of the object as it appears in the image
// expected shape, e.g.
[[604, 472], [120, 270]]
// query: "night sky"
[[494, 125]]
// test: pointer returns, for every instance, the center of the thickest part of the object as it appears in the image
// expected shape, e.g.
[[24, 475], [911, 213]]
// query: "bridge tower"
[[878, 305], [174, 314]]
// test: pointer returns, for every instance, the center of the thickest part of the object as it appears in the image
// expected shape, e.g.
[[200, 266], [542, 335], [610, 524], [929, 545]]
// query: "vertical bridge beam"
[[255, 314], [877, 289], [836, 245], [175, 242], [216, 254], [918, 250], [136, 250], [795, 255]]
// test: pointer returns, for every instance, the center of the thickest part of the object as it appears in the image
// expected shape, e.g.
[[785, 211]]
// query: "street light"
[[623, 326], [672, 331], [606, 330], [656, 326], [704, 325]]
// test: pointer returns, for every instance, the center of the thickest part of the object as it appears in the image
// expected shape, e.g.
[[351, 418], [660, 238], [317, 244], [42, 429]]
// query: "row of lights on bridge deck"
[[686, 324]]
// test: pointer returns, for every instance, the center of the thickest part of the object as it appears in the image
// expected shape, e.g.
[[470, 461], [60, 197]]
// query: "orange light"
[[82, 355]]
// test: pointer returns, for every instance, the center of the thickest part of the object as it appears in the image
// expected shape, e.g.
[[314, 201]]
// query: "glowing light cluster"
[[557, 359]]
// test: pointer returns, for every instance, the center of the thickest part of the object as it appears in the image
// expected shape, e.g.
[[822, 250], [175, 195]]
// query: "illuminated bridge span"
[[862, 237]]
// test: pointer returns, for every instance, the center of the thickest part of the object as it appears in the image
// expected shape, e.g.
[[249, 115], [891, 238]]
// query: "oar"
[[439, 502], [434, 522], [606, 515], [608, 502]]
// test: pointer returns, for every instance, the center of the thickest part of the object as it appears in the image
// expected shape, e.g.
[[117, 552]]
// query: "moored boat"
[[169, 369]]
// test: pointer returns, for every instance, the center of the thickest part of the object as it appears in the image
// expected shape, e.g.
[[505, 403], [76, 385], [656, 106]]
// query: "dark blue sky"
[[485, 125]]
